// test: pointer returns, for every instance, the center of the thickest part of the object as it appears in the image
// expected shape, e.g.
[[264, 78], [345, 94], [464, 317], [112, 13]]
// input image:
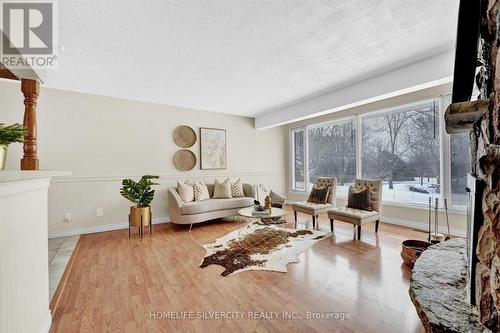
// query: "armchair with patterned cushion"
[[357, 216], [313, 208]]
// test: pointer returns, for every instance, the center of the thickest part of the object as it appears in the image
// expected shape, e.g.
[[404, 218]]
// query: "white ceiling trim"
[[420, 75]]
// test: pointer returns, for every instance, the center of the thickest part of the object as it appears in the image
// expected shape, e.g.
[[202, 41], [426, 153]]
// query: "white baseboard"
[[46, 323], [100, 228], [423, 226]]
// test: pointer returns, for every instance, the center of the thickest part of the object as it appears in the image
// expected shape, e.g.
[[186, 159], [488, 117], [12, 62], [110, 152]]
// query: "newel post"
[[30, 90]]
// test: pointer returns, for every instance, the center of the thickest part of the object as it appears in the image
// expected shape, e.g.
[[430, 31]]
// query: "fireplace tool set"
[[411, 249], [436, 237]]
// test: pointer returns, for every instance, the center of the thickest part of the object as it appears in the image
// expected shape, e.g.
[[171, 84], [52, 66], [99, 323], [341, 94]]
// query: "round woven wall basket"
[[184, 160], [184, 136]]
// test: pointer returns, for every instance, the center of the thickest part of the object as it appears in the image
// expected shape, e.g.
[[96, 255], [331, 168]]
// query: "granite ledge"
[[438, 289]]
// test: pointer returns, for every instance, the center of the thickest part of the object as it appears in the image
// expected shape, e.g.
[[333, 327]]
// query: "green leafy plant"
[[12, 133], [140, 193]]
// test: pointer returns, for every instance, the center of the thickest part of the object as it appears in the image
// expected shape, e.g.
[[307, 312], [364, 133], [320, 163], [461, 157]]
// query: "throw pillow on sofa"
[[237, 189], [186, 191], [359, 198], [200, 191], [222, 190]]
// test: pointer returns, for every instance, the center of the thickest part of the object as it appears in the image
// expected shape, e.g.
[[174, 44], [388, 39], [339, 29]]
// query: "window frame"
[[444, 150], [292, 159], [446, 100]]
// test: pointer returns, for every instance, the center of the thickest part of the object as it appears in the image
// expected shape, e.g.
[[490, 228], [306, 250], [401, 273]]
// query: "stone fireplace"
[[486, 166], [442, 296], [485, 148]]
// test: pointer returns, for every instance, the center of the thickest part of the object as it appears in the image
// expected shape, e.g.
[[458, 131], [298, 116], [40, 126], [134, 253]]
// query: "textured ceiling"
[[241, 57]]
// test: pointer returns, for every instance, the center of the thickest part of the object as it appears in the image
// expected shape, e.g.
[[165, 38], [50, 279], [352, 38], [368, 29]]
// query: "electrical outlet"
[[99, 212], [67, 217]]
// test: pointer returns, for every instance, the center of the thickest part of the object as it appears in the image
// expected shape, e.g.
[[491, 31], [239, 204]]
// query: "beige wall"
[[103, 140], [412, 216]]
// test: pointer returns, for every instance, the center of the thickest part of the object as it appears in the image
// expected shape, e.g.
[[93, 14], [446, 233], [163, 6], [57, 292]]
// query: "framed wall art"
[[213, 149]]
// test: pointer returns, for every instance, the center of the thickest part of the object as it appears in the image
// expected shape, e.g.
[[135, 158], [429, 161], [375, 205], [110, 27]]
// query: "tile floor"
[[60, 250]]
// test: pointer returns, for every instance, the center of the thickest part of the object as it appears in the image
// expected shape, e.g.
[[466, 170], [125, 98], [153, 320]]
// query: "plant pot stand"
[[141, 227]]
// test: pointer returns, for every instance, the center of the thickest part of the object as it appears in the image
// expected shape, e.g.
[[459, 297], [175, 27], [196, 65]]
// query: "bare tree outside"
[[393, 127], [299, 159], [332, 152], [402, 149]]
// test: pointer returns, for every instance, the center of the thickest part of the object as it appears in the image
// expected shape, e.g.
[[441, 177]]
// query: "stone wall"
[[485, 141]]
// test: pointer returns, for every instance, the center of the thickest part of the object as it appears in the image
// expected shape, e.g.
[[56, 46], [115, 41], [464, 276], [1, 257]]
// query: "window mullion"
[[291, 137], [359, 146], [306, 159]]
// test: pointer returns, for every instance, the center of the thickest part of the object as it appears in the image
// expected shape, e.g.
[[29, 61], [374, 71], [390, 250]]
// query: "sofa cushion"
[[311, 208], [186, 191], [200, 192], [222, 190], [237, 189], [194, 207]]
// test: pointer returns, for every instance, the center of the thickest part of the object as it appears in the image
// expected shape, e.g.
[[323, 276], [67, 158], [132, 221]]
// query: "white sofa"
[[199, 211]]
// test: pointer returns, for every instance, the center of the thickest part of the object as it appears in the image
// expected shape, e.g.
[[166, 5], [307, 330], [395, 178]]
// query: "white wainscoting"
[[24, 276], [81, 196], [422, 227], [100, 228]]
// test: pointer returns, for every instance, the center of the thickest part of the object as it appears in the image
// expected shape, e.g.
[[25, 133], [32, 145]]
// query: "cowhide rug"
[[260, 247]]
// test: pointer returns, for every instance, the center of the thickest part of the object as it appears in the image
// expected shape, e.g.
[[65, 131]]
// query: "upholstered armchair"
[[360, 217], [315, 209], [277, 200]]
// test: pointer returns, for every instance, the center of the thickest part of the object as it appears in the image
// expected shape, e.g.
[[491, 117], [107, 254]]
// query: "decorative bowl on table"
[[258, 208]]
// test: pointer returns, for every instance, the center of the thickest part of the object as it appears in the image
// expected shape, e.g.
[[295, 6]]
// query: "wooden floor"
[[120, 285]]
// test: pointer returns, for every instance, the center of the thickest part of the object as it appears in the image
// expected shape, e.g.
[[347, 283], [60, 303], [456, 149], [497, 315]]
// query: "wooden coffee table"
[[274, 217]]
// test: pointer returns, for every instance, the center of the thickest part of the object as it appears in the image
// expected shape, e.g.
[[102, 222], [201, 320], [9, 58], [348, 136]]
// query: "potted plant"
[[141, 194], [9, 134]]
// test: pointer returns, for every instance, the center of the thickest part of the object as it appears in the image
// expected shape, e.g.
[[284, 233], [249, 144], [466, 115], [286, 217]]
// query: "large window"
[[460, 166], [332, 152], [402, 149], [298, 148]]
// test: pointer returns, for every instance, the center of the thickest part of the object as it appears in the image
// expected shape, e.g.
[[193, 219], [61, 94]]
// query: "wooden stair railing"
[[30, 89]]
